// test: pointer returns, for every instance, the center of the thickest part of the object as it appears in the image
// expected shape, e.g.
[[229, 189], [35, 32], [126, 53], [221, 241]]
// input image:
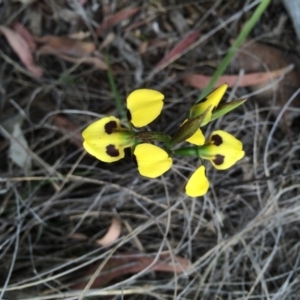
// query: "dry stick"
[[70, 172], [256, 266], [165, 238], [125, 239], [256, 222], [136, 240], [80, 179], [16, 65], [14, 256], [287, 104], [71, 295], [260, 275], [156, 258], [102, 265], [53, 277]]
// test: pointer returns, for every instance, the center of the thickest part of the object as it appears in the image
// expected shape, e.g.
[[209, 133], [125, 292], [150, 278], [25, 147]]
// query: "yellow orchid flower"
[[106, 139], [151, 160]]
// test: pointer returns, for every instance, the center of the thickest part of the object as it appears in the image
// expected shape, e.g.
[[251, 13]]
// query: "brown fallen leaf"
[[178, 50], [68, 127], [26, 1], [255, 57], [51, 44], [129, 263], [71, 50], [110, 37], [201, 81], [22, 49], [97, 62], [116, 18], [112, 234], [26, 35]]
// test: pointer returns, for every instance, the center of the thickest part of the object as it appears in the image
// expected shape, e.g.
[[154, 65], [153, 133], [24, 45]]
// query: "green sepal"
[[188, 129], [151, 137], [225, 108]]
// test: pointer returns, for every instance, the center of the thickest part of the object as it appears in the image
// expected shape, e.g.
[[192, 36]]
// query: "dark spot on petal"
[[134, 159], [110, 126], [112, 151], [128, 115], [217, 139], [219, 159], [203, 100]]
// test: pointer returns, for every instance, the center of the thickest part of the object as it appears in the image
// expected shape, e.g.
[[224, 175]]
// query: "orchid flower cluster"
[[106, 138]]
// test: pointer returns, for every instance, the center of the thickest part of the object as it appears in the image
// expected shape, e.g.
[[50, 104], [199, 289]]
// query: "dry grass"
[[242, 238]]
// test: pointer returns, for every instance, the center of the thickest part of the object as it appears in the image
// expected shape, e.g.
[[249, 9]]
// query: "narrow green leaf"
[[114, 89], [225, 108], [260, 9]]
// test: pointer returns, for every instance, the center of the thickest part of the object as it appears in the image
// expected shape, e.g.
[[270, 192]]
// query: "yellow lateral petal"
[[212, 100], [152, 161], [98, 128], [198, 183], [104, 153], [144, 106], [106, 140], [197, 138], [224, 150], [227, 161]]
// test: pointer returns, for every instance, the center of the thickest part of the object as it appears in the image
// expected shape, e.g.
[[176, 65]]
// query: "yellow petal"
[[211, 101], [198, 184], [109, 153], [223, 150], [100, 127], [197, 138], [106, 140], [144, 106], [152, 161]]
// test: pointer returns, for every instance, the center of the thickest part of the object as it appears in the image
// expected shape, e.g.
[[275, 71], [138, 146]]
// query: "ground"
[[73, 227]]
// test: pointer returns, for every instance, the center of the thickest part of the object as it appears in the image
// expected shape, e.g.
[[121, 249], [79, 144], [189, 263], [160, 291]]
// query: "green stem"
[[113, 87], [153, 136], [186, 151], [236, 45]]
